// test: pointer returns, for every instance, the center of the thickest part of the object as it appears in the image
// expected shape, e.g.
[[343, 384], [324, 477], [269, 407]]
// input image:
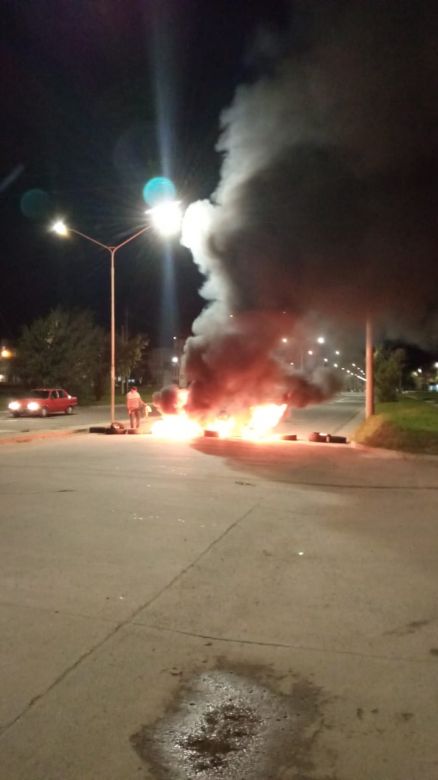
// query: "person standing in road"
[[134, 405]]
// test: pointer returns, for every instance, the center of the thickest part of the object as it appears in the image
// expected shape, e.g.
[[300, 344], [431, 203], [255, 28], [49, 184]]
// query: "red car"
[[43, 401]]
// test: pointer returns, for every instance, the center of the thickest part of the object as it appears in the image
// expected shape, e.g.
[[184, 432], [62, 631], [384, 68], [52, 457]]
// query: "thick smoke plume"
[[327, 198]]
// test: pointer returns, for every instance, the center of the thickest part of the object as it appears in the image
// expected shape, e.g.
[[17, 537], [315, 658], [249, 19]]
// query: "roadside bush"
[[388, 368]]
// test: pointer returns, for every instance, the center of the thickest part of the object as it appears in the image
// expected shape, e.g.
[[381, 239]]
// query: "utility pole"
[[369, 365]]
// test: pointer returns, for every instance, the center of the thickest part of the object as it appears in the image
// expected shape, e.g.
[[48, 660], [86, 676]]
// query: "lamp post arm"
[[108, 247], [88, 238], [131, 238]]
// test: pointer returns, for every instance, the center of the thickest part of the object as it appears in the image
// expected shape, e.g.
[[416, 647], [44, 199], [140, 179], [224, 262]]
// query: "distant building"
[[165, 365], [7, 364]]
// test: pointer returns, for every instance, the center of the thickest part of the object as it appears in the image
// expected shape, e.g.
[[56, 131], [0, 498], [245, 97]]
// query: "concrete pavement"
[[130, 566]]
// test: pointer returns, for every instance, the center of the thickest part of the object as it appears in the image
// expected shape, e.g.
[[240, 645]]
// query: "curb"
[[28, 437], [399, 454], [350, 427]]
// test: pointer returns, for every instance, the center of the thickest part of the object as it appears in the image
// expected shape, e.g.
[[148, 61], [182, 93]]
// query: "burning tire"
[[327, 438]]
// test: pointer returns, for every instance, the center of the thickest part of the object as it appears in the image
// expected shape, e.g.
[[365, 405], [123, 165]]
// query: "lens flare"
[[35, 204], [157, 190]]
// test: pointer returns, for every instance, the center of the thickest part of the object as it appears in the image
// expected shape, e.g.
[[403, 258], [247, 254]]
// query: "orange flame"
[[176, 426], [256, 425], [262, 420]]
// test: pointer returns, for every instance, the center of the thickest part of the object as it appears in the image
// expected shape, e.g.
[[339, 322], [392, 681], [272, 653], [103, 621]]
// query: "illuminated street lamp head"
[[60, 228], [321, 340], [166, 218]]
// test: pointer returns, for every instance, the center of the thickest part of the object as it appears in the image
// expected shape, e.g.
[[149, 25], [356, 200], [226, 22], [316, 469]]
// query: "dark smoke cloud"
[[327, 199], [166, 399], [329, 185], [239, 365]]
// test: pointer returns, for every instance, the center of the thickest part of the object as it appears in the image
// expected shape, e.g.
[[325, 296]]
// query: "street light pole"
[[369, 355], [166, 217], [113, 336], [62, 229]]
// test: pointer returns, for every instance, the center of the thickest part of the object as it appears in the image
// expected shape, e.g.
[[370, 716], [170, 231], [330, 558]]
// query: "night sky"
[[97, 98]]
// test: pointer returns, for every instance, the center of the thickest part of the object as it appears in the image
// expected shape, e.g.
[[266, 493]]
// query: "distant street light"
[[159, 214], [60, 228], [321, 340]]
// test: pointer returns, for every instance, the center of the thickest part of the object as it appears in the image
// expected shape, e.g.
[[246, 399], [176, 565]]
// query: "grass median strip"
[[411, 426]]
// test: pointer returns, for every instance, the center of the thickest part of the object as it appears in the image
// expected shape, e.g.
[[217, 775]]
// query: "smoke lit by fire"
[[238, 380], [325, 204]]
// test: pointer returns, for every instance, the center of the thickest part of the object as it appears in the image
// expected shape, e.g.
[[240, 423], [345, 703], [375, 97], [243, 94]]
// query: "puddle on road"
[[226, 726]]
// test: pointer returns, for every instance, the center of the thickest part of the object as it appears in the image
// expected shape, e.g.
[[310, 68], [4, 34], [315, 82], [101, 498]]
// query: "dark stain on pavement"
[[416, 624], [226, 725], [406, 715], [409, 628]]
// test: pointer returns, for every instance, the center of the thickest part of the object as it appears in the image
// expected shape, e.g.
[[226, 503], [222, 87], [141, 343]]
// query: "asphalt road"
[[342, 414], [339, 416], [220, 610], [82, 417]]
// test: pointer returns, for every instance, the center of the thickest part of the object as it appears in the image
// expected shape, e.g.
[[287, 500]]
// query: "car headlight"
[[14, 405], [33, 406]]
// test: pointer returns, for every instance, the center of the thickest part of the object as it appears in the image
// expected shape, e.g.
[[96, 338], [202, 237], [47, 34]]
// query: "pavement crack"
[[191, 565], [284, 645], [130, 619], [53, 611]]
